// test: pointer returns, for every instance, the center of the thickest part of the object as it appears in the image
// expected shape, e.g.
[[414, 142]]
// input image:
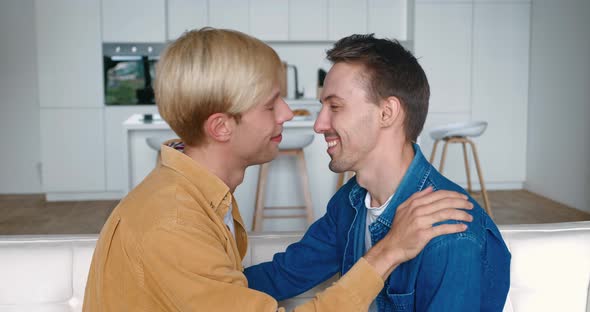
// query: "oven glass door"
[[128, 80]]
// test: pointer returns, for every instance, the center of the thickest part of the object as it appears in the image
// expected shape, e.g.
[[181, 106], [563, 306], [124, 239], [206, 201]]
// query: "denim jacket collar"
[[412, 182]]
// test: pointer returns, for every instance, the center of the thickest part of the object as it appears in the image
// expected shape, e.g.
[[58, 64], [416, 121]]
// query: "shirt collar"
[[215, 191], [413, 181]]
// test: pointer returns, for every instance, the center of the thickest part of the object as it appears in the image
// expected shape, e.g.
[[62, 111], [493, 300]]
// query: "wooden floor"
[[31, 214]]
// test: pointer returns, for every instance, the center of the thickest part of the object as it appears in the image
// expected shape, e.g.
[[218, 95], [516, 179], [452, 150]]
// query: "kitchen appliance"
[[290, 84], [129, 70], [321, 77]]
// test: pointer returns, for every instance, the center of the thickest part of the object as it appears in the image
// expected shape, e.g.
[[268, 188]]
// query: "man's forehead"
[[343, 83], [330, 97], [345, 74]]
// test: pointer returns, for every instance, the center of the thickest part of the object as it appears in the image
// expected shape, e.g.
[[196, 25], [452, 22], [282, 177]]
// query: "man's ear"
[[391, 111], [219, 127]]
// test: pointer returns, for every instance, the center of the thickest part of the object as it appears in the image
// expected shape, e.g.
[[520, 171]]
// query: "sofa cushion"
[[550, 269]]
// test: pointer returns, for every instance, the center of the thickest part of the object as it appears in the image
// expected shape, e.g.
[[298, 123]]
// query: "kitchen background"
[[521, 65]]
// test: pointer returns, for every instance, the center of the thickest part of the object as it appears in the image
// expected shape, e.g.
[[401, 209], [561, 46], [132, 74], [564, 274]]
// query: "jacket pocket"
[[402, 302]]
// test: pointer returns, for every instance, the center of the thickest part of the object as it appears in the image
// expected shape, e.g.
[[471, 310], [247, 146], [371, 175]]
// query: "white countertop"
[[136, 121]]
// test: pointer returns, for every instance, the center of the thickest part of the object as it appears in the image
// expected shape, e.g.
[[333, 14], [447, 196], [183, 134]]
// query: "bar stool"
[[460, 133], [286, 148]]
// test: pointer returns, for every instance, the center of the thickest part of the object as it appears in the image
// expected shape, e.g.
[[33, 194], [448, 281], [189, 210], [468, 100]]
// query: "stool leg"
[[433, 151], [349, 175], [260, 193], [443, 157], [467, 172], [305, 185], [484, 193], [340, 181]]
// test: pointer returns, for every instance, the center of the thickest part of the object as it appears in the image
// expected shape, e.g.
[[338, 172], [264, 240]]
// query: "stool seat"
[[458, 133], [155, 143], [459, 129]]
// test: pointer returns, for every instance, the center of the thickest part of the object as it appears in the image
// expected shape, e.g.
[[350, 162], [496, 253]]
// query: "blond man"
[[177, 241]]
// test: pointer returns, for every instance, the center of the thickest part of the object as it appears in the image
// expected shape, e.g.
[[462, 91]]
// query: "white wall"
[[19, 108], [558, 151]]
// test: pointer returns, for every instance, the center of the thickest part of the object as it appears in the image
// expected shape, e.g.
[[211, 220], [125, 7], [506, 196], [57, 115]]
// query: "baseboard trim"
[[79, 196]]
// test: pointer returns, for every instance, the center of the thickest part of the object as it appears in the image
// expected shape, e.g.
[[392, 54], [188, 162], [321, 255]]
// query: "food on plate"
[[301, 112]]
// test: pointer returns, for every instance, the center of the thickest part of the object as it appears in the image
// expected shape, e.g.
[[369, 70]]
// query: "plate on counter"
[[302, 118], [302, 114]]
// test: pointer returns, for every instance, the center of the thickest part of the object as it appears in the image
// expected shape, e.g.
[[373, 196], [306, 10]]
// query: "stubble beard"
[[339, 165]]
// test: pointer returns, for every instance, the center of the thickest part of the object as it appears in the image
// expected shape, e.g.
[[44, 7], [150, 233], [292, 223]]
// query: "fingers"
[[445, 215], [408, 202], [449, 202], [444, 229], [420, 194], [436, 196]]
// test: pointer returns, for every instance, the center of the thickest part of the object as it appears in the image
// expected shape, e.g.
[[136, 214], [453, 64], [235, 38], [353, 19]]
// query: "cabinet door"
[[443, 47], [500, 87], [269, 19], [388, 18], [231, 14], [72, 150], [308, 20], [186, 15], [69, 57], [346, 17], [133, 20]]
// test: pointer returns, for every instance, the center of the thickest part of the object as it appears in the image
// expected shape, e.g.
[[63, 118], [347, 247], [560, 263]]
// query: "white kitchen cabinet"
[[388, 18], [232, 14], [115, 143], [293, 20], [500, 86], [133, 20], [476, 56], [346, 17], [69, 58], [269, 19], [72, 150], [308, 20], [443, 47], [183, 15]]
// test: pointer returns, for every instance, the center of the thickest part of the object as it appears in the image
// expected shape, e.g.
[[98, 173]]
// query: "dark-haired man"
[[374, 104]]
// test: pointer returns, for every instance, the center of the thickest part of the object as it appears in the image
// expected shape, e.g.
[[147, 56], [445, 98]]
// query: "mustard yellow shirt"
[[165, 247]]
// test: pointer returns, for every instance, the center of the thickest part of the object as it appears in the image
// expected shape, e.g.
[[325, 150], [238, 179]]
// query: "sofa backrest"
[[550, 268]]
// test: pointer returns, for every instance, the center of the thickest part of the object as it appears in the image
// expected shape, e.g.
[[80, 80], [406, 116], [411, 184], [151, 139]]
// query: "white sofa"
[[550, 268]]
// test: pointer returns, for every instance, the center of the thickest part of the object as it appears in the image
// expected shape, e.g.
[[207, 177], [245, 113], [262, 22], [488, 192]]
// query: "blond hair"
[[211, 71]]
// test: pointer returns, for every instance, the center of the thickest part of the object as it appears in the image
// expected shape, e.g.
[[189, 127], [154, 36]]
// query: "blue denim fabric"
[[468, 271]]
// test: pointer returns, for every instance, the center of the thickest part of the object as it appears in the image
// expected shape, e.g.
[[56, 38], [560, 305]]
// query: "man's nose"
[[322, 123], [284, 112]]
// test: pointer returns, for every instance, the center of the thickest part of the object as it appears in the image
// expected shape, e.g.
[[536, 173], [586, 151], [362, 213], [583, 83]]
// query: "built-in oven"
[[129, 72]]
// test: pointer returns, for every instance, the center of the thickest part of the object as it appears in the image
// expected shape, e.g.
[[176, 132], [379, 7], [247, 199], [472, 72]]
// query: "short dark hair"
[[391, 71]]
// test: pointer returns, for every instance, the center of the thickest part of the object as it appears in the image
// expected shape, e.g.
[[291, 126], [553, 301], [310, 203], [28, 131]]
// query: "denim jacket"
[[468, 271]]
